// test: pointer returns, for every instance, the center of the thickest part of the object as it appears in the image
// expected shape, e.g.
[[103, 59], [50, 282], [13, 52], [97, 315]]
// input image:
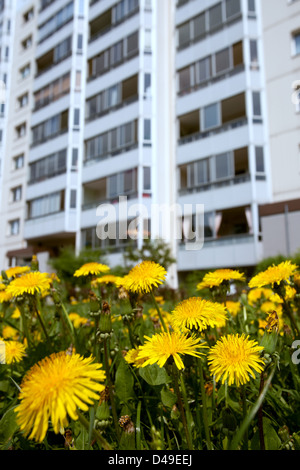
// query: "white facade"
[[281, 31], [222, 154], [18, 105], [165, 103]]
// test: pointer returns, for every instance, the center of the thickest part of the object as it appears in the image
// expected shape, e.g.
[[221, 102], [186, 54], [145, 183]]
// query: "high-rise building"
[[222, 147], [166, 104]]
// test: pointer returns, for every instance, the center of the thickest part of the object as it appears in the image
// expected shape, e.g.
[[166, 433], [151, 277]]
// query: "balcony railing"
[[216, 184], [202, 135], [112, 200]]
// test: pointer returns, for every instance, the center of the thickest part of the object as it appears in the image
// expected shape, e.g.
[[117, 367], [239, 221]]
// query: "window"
[[48, 167], [203, 70], [147, 178], [132, 43], [55, 22], [199, 26], [28, 15], [233, 8], [184, 79], [26, 43], [78, 80], [259, 159], [50, 128], [211, 116], [296, 43], [76, 117], [16, 194], [23, 100], [147, 83], [223, 166], [25, 71], [253, 52], [14, 227], [79, 42], [74, 157], [215, 16], [52, 92], [21, 130], [73, 195], [18, 162], [111, 142], [256, 104], [46, 205], [251, 6], [184, 34], [147, 129], [147, 40], [222, 60]]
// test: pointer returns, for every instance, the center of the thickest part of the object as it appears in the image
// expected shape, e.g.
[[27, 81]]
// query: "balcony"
[[112, 17], [213, 119], [231, 251]]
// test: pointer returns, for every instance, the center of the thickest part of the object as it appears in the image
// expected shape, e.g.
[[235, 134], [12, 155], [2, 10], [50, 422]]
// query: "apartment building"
[[167, 103], [281, 32], [56, 126], [7, 17], [15, 113], [222, 143]]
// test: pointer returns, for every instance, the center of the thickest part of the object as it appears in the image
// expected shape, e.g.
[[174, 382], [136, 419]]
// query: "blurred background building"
[[165, 102]]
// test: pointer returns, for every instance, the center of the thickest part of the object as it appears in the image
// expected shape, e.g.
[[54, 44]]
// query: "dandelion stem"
[[100, 439], [243, 392], [111, 395], [24, 327], [36, 305], [205, 419], [181, 409], [260, 415], [247, 421], [159, 312]]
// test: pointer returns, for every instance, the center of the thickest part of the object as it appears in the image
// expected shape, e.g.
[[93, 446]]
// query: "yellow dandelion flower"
[[16, 271], [14, 351], [162, 346], [77, 320], [5, 296], [106, 279], [2, 286], [16, 313], [31, 283], [297, 279], [132, 357], [235, 358], [274, 275], [269, 306], [9, 332], [2, 352], [255, 295], [143, 277], [216, 278], [290, 292], [54, 388], [92, 268], [233, 307], [198, 313]]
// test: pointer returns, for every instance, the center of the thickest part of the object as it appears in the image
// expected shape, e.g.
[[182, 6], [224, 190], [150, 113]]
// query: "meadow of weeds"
[[125, 363]]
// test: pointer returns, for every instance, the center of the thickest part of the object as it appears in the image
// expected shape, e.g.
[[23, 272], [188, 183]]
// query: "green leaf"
[[272, 440], [8, 425], [124, 382], [168, 398], [154, 375]]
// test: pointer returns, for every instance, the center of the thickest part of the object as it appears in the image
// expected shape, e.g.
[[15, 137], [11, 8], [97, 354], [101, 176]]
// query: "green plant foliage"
[[153, 408]]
